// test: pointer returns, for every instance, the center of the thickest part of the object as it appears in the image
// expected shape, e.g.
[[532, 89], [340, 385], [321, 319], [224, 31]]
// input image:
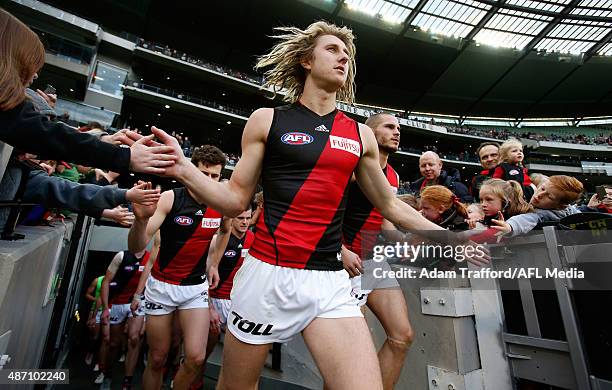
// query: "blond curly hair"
[[295, 46]]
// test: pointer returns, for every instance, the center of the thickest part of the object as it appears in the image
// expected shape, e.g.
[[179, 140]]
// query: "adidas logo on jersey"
[[199, 212], [322, 128]]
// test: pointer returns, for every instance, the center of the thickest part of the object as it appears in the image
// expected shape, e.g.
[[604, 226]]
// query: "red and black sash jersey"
[[362, 222], [308, 163], [506, 171], [124, 284], [185, 238], [235, 252], [478, 180]]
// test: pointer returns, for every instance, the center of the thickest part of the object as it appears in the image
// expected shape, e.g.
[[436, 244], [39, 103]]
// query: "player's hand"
[[139, 194], [351, 262], [144, 211], [105, 317], [151, 159], [213, 277], [135, 304], [501, 225], [215, 321], [174, 148]]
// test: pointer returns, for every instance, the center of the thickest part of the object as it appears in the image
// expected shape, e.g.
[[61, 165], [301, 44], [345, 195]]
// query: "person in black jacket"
[[488, 154], [22, 56], [430, 166]]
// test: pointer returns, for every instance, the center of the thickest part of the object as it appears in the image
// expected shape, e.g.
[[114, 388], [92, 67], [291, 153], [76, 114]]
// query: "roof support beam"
[[339, 6], [412, 15], [483, 22], [597, 47], [553, 14]]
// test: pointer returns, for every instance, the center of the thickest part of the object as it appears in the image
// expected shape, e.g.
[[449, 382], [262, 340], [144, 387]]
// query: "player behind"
[[177, 284]]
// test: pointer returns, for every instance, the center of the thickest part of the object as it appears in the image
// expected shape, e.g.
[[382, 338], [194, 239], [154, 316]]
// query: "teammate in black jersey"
[[177, 283], [296, 284], [118, 288], [383, 296]]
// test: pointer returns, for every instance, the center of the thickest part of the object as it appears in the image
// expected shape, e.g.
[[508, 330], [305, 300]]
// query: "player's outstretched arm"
[[231, 197]]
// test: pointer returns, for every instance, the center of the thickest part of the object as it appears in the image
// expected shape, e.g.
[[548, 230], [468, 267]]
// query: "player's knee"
[[157, 359], [134, 340], [194, 361], [401, 338]]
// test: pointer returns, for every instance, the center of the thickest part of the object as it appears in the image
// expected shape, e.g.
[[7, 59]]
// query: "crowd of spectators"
[[503, 134], [166, 50]]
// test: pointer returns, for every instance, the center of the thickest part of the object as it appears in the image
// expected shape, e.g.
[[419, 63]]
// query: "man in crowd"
[[488, 154], [292, 281], [430, 166], [178, 285], [361, 226]]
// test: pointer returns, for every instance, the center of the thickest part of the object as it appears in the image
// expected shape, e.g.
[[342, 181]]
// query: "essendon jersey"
[[362, 222], [506, 171], [308, 162], [185, 238], [235, 252], [124, 284]]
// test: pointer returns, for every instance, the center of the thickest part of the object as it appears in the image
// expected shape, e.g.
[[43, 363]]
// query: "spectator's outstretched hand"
[[176, 150], [121, 215], [151, 159], [139, 194], [50, 98], [501, 225]]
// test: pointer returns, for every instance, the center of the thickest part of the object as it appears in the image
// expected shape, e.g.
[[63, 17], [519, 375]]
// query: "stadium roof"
[[566, 26], [505, 58]]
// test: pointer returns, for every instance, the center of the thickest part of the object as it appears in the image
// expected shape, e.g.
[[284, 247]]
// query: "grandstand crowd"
[[108, 175]]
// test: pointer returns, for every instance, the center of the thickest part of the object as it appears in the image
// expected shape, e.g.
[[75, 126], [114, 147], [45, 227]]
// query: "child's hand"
[[501, 225]]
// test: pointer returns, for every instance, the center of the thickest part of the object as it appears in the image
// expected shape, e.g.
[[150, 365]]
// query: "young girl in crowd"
[[442, 207], [499, 200], [552, 201], [511, 166]]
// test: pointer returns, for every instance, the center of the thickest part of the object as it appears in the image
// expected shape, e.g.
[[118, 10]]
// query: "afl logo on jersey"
[[296, 138], [183, 220], [230, 253], [513, 172]]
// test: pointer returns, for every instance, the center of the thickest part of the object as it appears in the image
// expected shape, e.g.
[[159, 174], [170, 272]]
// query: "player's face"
[[212, 171], [491, 203], [430, 167], [241, 222], [329, 63], [388, 134], [430, 211], [489, 156], [546, 197], [515, 155]]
